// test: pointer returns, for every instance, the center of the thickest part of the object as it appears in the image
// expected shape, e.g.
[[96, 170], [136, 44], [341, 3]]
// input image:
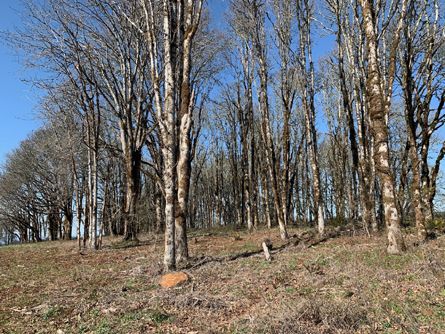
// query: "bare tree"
[[177, 28], [307, 86], [421, 79], [379, 94]]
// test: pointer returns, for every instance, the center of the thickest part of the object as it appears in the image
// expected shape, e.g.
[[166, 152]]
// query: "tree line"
[[157, 121]]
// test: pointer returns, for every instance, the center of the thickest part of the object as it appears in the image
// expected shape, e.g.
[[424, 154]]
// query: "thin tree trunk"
[[412, 141], [133, 188], [304, 23], [270, 148]]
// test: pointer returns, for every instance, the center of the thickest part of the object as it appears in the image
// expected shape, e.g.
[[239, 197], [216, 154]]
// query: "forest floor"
[[344, 285]]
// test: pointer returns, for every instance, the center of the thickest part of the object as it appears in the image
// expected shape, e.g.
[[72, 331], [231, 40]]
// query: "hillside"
[[344, 285]]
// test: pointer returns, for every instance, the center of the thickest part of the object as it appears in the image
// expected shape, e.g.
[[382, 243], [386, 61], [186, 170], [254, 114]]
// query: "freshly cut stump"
[[172, 280]]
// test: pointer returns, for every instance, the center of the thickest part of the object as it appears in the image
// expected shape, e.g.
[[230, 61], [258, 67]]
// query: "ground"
[[344, 285]]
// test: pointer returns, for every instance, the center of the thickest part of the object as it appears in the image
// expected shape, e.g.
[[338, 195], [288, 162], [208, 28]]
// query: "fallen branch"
[[306, 240]]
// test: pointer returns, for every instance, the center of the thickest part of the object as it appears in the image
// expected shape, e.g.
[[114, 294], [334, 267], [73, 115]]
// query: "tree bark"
[[308, 95], [378, 106], [271, 156], [133, 161]]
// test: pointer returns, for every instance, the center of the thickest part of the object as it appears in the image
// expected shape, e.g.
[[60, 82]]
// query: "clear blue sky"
[[17, 99]]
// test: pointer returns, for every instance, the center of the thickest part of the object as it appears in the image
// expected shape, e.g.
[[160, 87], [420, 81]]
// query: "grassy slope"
[[346, 285]]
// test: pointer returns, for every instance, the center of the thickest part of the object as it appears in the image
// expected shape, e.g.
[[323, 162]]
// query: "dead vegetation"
[[337, 285]]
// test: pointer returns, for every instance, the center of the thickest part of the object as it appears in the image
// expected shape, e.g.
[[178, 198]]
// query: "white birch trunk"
[[378, 105]]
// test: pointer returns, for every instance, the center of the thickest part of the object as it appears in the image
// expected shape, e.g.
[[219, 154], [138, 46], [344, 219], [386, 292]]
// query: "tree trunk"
[[184, 175], [79, 199], [270, 148], [378, 114], [93, 185], [188, 26], [307, 68], [411, 126], [133, 188], [159, 218]]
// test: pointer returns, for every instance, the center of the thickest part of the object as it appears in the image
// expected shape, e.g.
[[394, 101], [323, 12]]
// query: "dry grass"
[[346, 285]]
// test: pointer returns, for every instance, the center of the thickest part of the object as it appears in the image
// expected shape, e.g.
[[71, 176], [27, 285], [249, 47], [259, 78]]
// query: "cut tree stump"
[[172, 280], [266, 245]]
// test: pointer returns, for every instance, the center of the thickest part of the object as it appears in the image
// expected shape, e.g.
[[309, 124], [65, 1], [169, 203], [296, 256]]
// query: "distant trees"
[[156, 122], [36, 189]]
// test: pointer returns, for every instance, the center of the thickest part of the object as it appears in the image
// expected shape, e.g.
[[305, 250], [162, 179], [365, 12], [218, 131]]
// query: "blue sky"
[[17, 99]]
